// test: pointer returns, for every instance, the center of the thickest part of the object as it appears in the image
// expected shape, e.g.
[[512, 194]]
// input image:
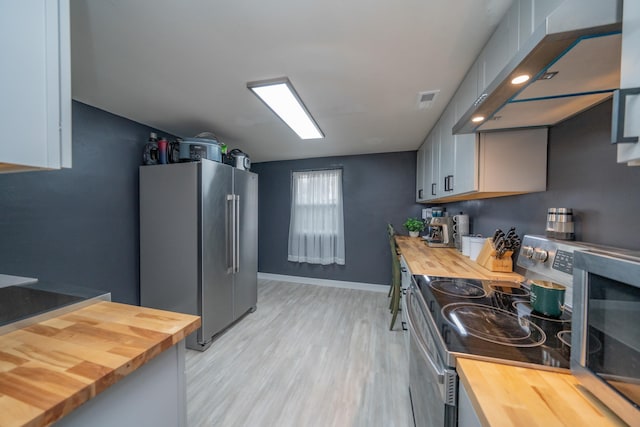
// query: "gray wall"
[[377, 189], [79, 226], [583, 175]]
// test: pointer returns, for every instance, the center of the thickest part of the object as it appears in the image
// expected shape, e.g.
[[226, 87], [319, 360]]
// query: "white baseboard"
[[324, 282]]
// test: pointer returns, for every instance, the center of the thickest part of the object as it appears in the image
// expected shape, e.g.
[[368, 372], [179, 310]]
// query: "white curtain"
[[316, 230]]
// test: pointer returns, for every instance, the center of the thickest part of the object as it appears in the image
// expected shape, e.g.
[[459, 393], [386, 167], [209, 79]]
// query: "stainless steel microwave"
[[605, 342]]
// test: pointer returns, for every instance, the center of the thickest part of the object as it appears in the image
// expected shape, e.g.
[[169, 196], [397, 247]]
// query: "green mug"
[[547, 297]]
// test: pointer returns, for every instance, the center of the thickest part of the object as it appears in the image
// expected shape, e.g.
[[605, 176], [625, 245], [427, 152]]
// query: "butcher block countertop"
[[511, 396], [446, 262], [49, 368]]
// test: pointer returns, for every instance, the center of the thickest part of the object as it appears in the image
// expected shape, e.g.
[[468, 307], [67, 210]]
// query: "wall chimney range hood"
[[573, 60]]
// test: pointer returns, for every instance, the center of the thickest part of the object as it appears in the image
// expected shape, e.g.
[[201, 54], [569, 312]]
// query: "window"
[[316, 230]]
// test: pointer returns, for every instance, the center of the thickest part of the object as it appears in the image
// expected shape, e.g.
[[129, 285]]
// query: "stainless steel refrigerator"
[[199, 243]]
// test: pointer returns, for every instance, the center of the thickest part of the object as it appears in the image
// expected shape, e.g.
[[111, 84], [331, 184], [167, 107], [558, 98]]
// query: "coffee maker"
[[441, 232]]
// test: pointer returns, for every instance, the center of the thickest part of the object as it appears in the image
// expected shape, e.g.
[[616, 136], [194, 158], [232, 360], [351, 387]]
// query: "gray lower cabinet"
[[153, 396], [467, 416], [406, 282]]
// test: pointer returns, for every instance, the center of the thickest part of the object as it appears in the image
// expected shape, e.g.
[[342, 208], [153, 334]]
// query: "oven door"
[[605, 350], [432, 385]]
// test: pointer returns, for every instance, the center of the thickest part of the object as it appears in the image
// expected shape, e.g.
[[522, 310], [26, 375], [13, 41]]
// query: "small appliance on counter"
[[440, 232]]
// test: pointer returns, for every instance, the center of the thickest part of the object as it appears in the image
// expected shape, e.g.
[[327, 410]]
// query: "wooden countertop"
[[447, 262], [512, 396], [50, 368]]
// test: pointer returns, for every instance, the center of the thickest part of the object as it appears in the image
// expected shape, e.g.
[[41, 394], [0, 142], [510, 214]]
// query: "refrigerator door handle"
[[237, 234], [230, 238]]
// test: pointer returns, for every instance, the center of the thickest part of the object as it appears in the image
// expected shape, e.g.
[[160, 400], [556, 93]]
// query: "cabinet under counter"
[[50, 368]]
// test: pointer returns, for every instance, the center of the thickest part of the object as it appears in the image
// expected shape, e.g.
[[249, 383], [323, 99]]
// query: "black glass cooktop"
[[494, 320], [24, 301]]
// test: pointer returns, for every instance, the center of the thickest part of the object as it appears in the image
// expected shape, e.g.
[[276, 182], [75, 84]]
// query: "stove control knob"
[[540, 255], [527, 251]]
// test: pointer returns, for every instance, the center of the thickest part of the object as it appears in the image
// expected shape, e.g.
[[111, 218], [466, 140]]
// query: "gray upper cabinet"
[[447, 152], [500, 48], [421, 171], [35, 82], [629, 152], [471, 166], [484, 165]]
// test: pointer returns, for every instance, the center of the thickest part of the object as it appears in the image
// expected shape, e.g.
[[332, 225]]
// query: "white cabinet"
[[629, 152], [490, 165], [513, 31], [433, 162], [465, 176], [447, 150], [421, 172], [428, 166], [35, 82], [501, 47]]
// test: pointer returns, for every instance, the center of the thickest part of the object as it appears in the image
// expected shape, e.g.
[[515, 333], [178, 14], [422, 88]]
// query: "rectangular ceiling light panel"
[[280, 96]]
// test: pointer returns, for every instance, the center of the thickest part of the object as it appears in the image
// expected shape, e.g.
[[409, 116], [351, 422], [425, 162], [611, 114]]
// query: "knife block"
[[487, 258]]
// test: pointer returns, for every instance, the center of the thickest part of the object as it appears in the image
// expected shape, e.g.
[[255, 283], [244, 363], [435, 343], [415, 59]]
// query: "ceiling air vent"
[[425, 99]]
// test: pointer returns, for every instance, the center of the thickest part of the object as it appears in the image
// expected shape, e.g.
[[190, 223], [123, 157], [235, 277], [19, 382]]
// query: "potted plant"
[[414, 225]]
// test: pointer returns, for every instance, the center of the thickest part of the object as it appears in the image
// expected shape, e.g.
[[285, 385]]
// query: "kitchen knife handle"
[[237, 234], [619, 113]]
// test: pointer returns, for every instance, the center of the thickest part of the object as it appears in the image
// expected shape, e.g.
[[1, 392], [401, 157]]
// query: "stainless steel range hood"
[[573, 59]]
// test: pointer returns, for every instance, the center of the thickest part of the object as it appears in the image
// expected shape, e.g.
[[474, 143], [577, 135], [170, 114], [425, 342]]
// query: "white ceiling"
[[182, 66]]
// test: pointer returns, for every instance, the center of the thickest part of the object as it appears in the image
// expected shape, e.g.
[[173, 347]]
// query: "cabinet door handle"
[[404, 326], [450, 182], [618, 115], [420, 194], [433, 189]]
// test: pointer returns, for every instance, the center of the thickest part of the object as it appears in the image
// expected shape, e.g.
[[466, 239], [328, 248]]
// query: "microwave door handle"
[[423, 348]]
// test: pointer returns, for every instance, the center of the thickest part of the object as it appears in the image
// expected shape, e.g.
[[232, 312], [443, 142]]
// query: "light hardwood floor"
[[309, 356]]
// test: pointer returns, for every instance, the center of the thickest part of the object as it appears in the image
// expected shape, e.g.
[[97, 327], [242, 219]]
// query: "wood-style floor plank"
[[309, 356]]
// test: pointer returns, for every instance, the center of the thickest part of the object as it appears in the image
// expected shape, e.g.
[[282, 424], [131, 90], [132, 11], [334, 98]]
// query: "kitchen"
[[80, 225]]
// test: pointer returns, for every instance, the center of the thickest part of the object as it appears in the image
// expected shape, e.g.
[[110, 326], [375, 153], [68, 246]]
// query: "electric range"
[[486, 320], [493, 320]]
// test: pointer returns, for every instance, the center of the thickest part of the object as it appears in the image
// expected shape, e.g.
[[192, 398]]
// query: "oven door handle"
[[423, 349]]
